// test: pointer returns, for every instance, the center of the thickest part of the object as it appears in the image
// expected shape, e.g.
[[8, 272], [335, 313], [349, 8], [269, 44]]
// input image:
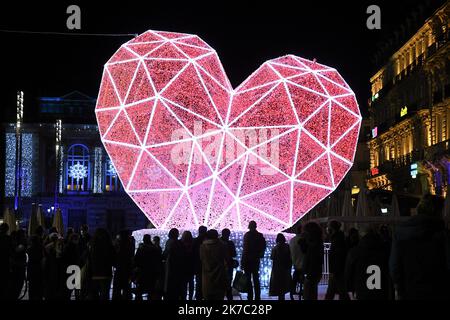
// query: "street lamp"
[[58, 182], [18, 164]]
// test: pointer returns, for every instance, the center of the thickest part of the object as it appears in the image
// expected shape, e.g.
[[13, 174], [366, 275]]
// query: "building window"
[[112, 182], [376, 158], [386, 153], [78, 168]]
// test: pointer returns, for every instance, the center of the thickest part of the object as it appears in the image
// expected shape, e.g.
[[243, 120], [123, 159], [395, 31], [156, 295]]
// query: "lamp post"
[[18, 164], [58, 134]]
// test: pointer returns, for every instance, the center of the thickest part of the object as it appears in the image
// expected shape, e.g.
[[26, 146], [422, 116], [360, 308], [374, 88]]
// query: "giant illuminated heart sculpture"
[[191, 150]]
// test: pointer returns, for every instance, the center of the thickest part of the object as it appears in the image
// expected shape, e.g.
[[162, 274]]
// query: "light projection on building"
[[190, 150]]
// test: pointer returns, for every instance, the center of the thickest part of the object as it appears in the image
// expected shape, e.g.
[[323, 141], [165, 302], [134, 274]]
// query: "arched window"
[[78, 168], [112, 182]]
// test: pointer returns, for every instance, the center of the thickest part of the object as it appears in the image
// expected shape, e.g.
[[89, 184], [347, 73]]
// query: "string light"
[[236, 236], [167, 114], [61, 169], [78, 171], [98, 159], [27, 164], [26, 169], [58, 152], [111, 170], [10, 175]]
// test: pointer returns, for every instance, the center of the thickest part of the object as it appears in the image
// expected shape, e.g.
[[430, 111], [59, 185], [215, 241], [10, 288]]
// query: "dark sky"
[[333, 32]]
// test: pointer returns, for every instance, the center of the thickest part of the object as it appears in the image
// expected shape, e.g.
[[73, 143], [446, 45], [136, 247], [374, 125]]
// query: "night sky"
[[333, 32]]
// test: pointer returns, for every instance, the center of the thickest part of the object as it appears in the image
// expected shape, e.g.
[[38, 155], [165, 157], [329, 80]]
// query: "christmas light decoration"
[[237, 237], [111, 170], [78, 171], [98, 170], [61, 169], [191, 150], [28, 150], [10, 160], [26, 168]]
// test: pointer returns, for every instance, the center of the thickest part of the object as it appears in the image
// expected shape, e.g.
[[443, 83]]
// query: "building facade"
[[77, 176], [410, 114]]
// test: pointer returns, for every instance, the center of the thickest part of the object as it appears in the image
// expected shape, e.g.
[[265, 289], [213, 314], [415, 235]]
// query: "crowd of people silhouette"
[[408, 261]]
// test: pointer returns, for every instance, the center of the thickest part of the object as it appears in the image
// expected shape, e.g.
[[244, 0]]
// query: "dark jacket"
[[125, 249], [35, 258], [419, 259], [337, 253], [71, 255], [6, 249], [214, 271], [197, 242], [52, 270], [369, 251], [188, 261], [84, 247], [174, 276], [231, 253], [101, 261], [313, 259], [253, 251], [147, 261], [280, 277]]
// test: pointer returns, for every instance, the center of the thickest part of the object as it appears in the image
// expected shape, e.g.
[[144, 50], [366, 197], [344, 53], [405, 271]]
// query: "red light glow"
[[191, 150]]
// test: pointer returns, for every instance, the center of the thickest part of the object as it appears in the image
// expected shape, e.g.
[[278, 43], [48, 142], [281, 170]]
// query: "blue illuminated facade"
[[88, 188], [77, 168]]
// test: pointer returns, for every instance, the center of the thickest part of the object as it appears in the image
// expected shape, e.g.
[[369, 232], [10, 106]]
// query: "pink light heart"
[[191, 150]]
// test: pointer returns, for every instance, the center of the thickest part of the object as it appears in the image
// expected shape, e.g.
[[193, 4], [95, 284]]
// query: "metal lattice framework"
[[191, 150]]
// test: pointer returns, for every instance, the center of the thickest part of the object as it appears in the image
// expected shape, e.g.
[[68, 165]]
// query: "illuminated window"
[[375, 132], [112, 182], [403, 111], [376, 158], [78, 168], [414, 170]]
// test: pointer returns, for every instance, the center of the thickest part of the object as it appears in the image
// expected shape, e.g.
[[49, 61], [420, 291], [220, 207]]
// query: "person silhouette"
[[254, 247], [280, 277], [230, 258]]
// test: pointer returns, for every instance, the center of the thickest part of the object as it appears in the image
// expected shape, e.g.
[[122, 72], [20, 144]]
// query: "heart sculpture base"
[[236, 236]]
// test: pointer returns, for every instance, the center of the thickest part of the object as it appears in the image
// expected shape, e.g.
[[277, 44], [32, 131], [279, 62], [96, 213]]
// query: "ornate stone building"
[[410, 113], [81, 181]]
